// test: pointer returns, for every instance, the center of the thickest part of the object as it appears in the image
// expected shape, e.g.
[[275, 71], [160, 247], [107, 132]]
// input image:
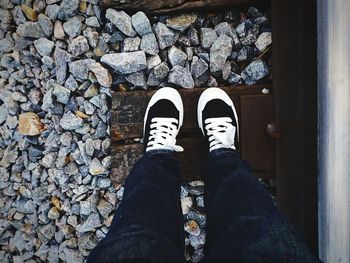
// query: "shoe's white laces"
[[163, 133], [221, 133]]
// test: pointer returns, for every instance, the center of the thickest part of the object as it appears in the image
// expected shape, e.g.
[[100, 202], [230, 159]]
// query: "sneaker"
[[163, 119], [217, 118]]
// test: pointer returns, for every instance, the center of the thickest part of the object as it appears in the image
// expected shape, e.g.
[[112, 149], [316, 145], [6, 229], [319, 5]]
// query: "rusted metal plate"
[[256, 148], [128, 109], [167, 6]]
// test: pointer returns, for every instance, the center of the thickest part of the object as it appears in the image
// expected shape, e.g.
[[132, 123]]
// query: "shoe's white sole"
[[211, 94], [170, 94]]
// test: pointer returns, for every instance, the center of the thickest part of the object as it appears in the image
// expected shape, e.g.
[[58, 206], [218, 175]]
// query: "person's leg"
[[147, 226], [243, 223]]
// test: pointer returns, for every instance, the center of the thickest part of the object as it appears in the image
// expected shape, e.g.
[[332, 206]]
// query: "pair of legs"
[[243, 224]]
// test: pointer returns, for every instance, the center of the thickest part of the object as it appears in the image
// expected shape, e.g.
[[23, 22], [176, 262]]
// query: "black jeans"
[[243, 224]]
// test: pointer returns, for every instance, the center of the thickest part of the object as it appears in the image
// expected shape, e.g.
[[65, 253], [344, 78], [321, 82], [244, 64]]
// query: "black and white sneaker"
[[217, 118], [163, 119]]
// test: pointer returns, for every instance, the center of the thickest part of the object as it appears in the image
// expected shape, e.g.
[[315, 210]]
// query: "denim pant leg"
[[243, 223], [147, 226]]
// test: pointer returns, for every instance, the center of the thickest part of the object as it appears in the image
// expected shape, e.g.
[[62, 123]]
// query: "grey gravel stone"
[[78, 46], [30, 29], [91, 223], [87, 241], [255, 71], [53, 213], [186, 203], [161, 70], [45, 24], [66, 139], [122, 21], [166, 37], [52, 11], [44, 46], [181, 76], [200, 201], [149, 44], [126, 63], [137, 79], [193, 36], [141, 23], [207, 37], [248, 40], [6, 45], [70, 122], [71, 83], [101, 130], [219, 52], [197, 216], [245, 53], [197, 241], [73, 26], [131, 44], [61, 58], [68, 8], [242, 29], [200, 70], [120, 193], [104, 208], [6, 17], [177, 56], [62, 94], [198, 67], [92, 21], [80, 68], [263, 41], [197, 255], [96, 168], [152, 80], [92, 36], [153, 61], [234, 78], [103, 76], [71, 256], [91, 91]]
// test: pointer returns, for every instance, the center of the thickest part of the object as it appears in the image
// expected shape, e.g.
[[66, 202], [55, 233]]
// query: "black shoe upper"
[[218, 108]]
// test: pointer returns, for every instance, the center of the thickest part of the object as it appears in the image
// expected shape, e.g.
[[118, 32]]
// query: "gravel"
[[181, 76], [122, 21], [141, 23], [126, 63], [60, 64]]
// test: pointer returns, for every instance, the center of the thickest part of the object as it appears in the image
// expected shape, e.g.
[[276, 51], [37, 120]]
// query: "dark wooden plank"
[[168, 6], [128, 109], [295, 89], [125, 156], [256, 147]]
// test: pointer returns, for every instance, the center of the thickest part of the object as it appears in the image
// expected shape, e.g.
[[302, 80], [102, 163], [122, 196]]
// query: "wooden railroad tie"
[[255, 111]]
